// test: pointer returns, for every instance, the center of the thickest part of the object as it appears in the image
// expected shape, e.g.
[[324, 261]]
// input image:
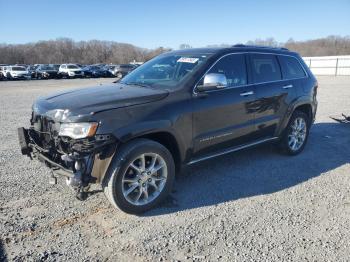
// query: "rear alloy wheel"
[[119, 75], [140, 176], [296, 133]]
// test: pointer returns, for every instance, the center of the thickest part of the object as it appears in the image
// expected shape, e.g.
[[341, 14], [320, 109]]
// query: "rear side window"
[[233, 67], [291, 67], [265, 68]]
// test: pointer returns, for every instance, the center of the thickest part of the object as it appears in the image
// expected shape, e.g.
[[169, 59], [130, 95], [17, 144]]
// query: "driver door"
[[221, 117]]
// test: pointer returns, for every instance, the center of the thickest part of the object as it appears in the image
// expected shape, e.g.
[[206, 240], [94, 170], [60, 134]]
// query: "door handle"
[[287, 86], [249, 93]]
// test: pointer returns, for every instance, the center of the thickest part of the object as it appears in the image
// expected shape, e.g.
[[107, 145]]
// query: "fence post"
[[336, 67]]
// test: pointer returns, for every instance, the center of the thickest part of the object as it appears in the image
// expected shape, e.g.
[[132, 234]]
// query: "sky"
[[151, 23]]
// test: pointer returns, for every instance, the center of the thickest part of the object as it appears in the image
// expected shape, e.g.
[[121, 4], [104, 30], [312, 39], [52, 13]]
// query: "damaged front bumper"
[[82, 161]]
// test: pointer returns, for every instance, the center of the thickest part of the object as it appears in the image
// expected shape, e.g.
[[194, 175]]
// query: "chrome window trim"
[[261, 83]]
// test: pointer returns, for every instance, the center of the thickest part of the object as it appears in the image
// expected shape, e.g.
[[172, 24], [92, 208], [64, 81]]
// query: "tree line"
[[331, 45], [328, 46], [64, 50]]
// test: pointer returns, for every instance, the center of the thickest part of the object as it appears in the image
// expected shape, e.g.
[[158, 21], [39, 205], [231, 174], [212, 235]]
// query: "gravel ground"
[[254, 205]]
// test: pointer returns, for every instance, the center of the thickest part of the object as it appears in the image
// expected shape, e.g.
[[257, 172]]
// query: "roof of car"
[[233, 49]]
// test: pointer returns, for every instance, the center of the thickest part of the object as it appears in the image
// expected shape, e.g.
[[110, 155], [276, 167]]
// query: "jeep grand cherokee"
[[177, 109]]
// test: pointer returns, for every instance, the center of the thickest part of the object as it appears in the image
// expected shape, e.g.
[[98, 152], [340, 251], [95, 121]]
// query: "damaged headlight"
[[78, 130]]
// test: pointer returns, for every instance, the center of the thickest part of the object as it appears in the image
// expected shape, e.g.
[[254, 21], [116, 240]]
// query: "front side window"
[[265, 68], [291, 67], [233, 67], [165, 70], [72, 67]]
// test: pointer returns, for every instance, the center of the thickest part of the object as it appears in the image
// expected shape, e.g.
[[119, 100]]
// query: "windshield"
[[166, 70], [72, 67], [18, 68]]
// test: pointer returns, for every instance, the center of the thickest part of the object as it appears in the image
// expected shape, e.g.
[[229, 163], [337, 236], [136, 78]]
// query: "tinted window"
[[233, 67], [265, 68], [291, 67], [72, 67], [47, 68], [18, 68], [166, 70]]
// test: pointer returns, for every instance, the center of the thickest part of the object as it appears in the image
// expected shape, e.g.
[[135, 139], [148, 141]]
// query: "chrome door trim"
[[231, 150], [248, 93], [287, 86]]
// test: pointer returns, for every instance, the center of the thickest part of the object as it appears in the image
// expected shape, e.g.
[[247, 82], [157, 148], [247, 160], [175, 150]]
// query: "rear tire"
[[296, 133], [140, 176]]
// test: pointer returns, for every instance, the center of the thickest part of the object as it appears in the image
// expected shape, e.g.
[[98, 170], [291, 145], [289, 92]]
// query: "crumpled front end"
[[82, 161]]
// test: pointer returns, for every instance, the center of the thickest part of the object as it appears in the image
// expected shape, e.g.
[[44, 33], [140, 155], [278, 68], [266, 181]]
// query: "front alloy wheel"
[[144, 179], [140, 176]]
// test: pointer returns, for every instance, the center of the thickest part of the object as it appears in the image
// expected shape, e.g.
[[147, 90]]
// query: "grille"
[[44, 128]]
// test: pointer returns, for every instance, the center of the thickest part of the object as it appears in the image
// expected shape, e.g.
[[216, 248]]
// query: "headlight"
[[78, 130]]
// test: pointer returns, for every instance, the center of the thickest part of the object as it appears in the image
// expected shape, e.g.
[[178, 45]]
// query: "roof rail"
[[260, 46]]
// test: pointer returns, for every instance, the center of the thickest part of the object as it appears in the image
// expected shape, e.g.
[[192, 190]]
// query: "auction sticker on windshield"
[[187, 60]]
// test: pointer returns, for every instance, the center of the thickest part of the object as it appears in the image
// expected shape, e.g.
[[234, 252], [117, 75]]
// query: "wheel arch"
[[303, 105], [169, 141], [305, 108]]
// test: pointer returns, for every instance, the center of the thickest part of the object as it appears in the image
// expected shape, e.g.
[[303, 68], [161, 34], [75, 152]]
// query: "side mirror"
[[212, 81]]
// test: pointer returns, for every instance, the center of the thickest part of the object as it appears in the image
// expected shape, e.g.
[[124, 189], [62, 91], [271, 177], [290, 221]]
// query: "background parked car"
[[121, 70], [31, 70], [105, 70], [45, 72], [16, 72], [93, 71], [56, 66], [70, 71], [2, 74]]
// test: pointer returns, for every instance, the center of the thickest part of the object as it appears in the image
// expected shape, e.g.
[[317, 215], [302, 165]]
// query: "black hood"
[[88, 101]]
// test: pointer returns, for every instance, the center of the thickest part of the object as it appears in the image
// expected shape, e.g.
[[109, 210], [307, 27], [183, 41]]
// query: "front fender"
[[129, 132]]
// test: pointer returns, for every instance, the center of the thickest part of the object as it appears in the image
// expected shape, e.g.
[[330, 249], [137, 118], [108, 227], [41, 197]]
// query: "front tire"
[[140, 176], [295, 135]]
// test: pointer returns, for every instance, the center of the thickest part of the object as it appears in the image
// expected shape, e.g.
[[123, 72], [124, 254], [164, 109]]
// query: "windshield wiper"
[[136, 84]]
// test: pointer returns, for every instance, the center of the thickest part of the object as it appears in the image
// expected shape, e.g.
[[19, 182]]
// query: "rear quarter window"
[[291, 68], [265, 68]]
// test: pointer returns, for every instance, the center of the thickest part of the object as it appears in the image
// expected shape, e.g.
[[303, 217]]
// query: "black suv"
[[178, 109]]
